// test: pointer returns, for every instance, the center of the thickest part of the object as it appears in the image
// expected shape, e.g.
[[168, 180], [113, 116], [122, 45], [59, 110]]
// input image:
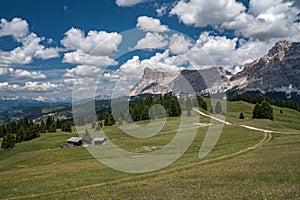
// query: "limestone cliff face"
[[153, 82], [186, 81], [279, 70], [210, 80]]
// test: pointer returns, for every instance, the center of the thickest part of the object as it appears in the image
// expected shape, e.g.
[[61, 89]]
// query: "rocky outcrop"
[[153, 82], [201, 81], [279, 70], [186, 81]]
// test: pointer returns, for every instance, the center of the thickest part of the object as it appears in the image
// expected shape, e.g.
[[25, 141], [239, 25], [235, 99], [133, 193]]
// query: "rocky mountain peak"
[[153, 81], [154, 74], [277, 52], [187, 81], [224, 72], [278, 70]]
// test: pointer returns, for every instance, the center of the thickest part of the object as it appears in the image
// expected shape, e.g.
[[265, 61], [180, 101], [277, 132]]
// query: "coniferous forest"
[[259, 99], [26, 129]]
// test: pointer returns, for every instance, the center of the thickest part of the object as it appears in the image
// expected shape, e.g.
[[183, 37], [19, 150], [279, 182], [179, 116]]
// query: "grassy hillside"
[[286, 122], [271, 171]]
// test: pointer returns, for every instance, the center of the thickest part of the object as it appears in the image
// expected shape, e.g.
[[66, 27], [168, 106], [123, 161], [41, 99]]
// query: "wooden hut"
[[75, 141]]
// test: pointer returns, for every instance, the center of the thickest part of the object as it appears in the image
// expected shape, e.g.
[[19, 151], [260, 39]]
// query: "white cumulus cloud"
[[150, 24], [96, 43], [131, 72], [5, 86], [210, 51], [30, 47], [93, 49], [267, 20], [201, 13], [22, 74], [6, 71], [85, 78], [152, 41], [36, 86], [179, 44], [129, 3], [80, 58], [83, 71], [29, 87], [17, 28]]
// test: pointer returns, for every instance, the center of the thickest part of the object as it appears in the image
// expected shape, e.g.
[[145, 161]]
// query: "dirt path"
[[267, 138], [228, 123], [212, 117]]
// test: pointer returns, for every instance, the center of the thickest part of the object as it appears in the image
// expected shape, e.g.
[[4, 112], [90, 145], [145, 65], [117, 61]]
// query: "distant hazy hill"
[[12, 110]]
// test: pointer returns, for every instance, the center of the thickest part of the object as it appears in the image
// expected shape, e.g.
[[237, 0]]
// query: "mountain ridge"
[[278, 71]]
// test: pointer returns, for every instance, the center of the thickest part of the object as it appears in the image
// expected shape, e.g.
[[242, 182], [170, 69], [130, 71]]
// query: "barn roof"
[[74, 139]]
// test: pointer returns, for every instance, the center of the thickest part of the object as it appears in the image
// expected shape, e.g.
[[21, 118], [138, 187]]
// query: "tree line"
[[144, 109], [140, 110], [259, 99], [151, 108], [26, 129], [261, 110]]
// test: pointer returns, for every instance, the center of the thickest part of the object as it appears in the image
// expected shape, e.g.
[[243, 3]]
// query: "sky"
[[57, 49]]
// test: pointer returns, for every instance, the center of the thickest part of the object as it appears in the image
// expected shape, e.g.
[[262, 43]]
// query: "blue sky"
[[47, 46]]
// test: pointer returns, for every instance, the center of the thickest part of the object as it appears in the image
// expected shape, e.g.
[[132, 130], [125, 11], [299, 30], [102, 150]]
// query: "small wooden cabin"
[[75, 141]]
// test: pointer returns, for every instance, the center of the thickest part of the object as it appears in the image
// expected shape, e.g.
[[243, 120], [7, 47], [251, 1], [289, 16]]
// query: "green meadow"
[[39, 169]]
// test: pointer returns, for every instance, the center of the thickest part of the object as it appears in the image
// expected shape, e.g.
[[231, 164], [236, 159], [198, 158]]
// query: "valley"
[[243, 160]]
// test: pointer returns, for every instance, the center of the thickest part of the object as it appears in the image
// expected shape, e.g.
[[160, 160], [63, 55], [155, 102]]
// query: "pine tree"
[[48, 122], [58, 125], [43, 127], [267, 110], [67, 126], [8, 141], [2, 131], [242, 116], [218, 108], [52, 128]]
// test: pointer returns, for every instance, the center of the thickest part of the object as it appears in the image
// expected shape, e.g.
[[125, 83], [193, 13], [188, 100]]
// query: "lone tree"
[[263, 111], [242, 116], [218, 108], [67, 126]]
